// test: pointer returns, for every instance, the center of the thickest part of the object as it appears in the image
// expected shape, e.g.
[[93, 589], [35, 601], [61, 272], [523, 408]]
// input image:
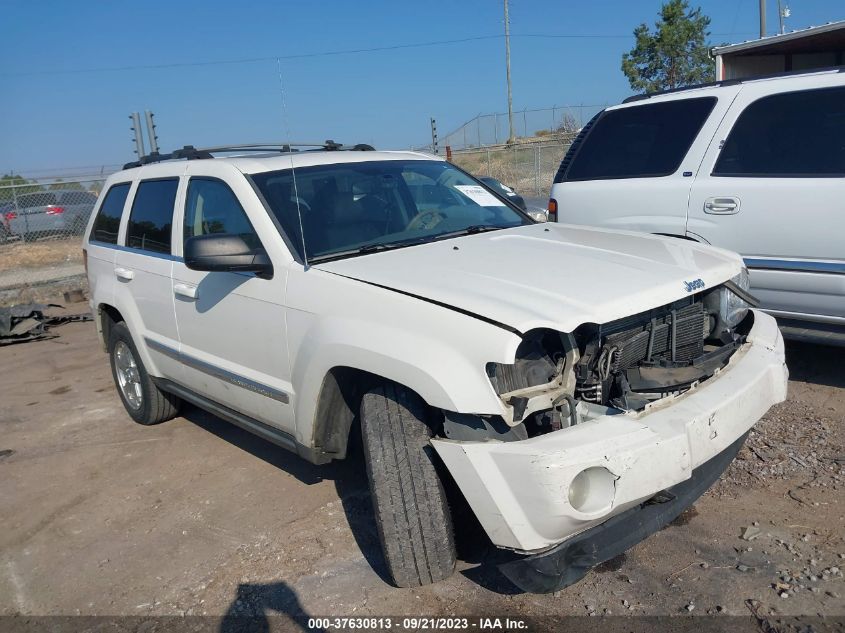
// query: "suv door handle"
[[184, 290], [124, 273], [721, 206]]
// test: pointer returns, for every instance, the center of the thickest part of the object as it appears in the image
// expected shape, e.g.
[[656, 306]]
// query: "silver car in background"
[[49, 213]]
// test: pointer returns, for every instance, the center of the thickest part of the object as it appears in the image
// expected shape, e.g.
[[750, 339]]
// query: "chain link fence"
[[41, 227], [527, 167], [493, 129]]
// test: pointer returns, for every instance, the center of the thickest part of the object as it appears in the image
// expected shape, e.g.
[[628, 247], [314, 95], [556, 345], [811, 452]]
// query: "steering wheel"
[[425, 220], [303, 206]]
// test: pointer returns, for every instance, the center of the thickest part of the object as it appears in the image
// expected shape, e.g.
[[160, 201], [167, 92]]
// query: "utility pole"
[[511, 138], [762, 18]]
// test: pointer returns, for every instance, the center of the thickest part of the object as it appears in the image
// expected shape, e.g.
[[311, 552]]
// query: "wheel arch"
[[338, 406], [107, 315]]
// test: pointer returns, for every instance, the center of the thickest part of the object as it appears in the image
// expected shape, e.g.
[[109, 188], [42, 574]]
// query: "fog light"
[[592, 490]]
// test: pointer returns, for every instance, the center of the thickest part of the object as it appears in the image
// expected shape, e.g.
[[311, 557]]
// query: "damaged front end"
[[612, 429], [625, 365]]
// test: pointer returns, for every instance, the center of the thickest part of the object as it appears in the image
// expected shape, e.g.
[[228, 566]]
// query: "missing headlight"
[[729, 304], [542, 371]]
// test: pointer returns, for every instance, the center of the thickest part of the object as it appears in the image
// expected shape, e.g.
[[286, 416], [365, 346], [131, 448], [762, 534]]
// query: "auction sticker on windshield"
[[479, 195]]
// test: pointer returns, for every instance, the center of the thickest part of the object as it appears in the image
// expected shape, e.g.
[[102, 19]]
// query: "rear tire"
[[412, 514], [144, 401]]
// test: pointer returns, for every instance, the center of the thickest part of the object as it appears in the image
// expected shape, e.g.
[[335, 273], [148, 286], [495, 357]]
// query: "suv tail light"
[[10, 215], [54, 210], [85, 260], [552, 210]]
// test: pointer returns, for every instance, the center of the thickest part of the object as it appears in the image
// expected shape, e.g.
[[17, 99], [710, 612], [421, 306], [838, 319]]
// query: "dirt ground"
[[103, 516], [15, 256]]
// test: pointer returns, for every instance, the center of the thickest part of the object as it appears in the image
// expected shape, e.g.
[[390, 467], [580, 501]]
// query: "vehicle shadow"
[[818, 364], [349, 477], [350, 480], [248, 611]]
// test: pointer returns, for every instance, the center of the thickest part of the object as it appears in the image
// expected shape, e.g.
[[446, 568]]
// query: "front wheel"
[[144, 401], [412, 515]]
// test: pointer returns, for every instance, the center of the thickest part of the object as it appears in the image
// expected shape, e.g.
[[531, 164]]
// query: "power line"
[[252, 60], [349, 51]]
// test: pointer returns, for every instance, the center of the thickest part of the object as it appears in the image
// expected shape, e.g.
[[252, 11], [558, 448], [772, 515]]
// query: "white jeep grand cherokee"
[[297, 293]]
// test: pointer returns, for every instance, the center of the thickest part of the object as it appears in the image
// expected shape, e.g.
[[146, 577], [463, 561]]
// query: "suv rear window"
[[107, 223], [639, 141], [791, 134], [151, 218]]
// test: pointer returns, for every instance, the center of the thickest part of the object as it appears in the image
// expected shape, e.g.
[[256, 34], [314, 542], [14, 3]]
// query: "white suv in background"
[[754, 166], [309, 295]]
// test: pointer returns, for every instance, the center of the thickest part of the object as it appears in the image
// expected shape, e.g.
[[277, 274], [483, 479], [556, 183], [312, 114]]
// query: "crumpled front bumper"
[[520, 490]]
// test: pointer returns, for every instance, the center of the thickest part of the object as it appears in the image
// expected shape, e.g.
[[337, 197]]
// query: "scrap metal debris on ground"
[[27, 322]]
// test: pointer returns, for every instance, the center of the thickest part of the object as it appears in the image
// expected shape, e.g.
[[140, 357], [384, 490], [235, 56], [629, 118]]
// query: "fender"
[[439, 353]]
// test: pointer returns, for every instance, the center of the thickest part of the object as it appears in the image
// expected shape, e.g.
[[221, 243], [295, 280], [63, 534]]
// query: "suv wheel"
[[412, 515], [144, 402]]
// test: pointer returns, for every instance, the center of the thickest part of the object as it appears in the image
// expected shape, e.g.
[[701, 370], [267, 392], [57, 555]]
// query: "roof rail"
[[189, 152], [733, 82]]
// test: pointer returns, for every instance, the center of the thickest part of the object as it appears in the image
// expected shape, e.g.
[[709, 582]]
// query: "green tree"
[[61, 185], [12, 185], [674, 55]]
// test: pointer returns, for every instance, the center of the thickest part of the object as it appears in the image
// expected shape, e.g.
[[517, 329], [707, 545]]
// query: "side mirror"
[[226, 253]]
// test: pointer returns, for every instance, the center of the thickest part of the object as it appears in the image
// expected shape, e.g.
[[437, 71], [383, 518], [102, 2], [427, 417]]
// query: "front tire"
[[144, 401], [412, 515]]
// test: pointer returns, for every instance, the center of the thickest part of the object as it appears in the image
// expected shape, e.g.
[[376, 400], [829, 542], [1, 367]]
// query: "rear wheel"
[[412, 514], [144, 401]]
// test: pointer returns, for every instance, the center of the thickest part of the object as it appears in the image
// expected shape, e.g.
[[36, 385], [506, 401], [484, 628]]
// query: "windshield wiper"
[[364, 250], [481, 228], [470, 230]]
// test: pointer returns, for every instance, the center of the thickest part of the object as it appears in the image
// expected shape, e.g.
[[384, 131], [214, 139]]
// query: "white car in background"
[[310, 295], [754, 166]]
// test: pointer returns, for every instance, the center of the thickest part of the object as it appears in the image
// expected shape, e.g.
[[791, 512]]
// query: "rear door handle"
[[184, 290], [124, 273], [721, 206]]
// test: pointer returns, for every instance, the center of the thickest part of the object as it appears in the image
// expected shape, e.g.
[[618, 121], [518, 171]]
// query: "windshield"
[[355, 208]]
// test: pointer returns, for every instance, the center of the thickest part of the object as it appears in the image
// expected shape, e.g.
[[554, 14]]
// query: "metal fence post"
[[489, 172]]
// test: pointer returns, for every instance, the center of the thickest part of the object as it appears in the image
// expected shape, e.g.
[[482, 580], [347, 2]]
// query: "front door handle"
[[184, 290], [124, 274], [721, 206]]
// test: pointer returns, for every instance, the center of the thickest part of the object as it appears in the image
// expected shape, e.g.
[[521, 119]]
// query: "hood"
[[550, 275]]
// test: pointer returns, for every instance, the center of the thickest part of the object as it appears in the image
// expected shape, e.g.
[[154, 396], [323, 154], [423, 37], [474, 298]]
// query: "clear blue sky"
[[52, 121]]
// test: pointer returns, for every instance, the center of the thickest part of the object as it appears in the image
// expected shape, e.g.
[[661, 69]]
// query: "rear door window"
[[77, 197], [40, 199], [107, 222], [795, 134], [151, 218], [639, 141]]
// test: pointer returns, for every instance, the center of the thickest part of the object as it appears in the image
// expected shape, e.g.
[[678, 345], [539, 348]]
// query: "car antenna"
[[286, 121]]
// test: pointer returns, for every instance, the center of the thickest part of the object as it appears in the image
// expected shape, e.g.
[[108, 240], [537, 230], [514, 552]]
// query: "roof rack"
[[733, 82], [189, 152]]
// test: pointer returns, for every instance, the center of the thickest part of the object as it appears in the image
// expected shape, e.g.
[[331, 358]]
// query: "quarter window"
[[640, 141], [792, 134], [107, 223], [212, 207], [151, 218]]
